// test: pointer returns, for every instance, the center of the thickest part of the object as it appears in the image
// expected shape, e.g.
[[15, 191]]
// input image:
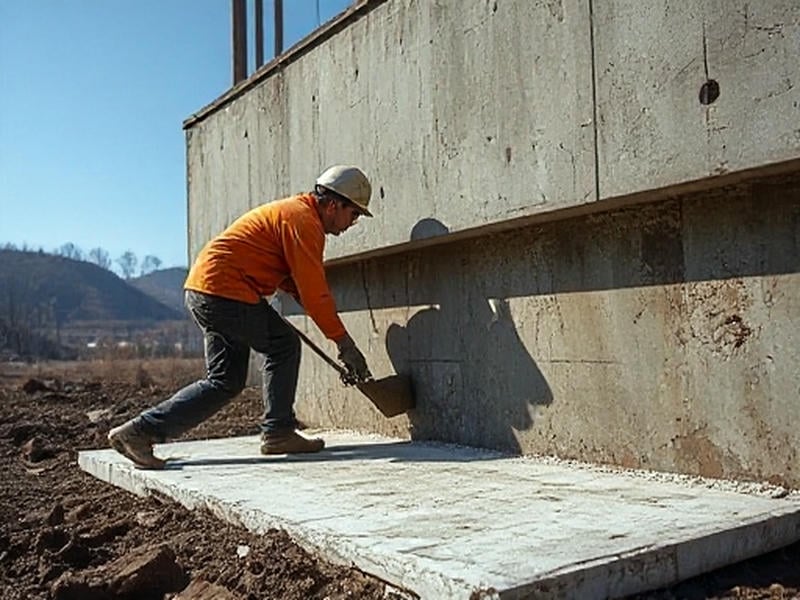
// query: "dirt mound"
[[65, 535]]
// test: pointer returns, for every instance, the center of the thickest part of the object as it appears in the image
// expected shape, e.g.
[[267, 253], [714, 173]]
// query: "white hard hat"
[[350, 183]]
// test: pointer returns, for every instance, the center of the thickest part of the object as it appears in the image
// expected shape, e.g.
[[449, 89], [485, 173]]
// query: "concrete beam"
[[469, 129], [653, 58], [488, 113]]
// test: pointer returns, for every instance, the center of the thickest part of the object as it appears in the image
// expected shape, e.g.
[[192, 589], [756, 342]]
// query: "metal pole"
[[239, 41], [259, 41], [278, 27]]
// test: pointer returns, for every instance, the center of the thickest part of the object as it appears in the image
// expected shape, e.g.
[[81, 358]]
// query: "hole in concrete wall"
[[508, 154], [382, 194], [709, 92], [356, 73]]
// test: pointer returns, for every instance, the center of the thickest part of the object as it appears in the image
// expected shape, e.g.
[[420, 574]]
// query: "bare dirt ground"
[[66, 535]]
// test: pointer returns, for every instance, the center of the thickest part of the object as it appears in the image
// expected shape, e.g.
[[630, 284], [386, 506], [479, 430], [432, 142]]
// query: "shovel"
[[392, 395]]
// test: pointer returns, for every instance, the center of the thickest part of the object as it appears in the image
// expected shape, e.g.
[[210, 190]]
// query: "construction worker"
[[276, 246]]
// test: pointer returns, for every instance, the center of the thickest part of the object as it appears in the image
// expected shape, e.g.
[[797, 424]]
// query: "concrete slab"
[[451, 522]]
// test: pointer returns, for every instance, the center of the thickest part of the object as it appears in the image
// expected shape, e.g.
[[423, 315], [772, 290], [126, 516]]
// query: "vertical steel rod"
[[259, 41], [278, 27], [239, 41]]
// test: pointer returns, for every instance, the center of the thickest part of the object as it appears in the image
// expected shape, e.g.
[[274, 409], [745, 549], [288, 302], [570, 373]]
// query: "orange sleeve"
[[302, 248]]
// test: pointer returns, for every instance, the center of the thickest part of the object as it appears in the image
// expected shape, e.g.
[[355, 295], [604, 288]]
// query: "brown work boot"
[[134, 445], [289, 442]]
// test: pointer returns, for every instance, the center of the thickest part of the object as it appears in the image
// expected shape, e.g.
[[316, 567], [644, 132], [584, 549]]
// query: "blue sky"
[[93, 95]]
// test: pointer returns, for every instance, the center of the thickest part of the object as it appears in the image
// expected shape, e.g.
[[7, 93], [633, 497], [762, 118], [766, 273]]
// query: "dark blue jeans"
[[231, 329]]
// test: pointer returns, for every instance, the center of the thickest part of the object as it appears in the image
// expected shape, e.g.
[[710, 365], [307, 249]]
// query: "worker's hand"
[[353, 360]]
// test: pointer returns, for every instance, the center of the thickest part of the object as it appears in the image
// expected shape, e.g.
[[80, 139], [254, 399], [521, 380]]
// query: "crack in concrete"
[[707, 114], [586, 361], [594, 103]]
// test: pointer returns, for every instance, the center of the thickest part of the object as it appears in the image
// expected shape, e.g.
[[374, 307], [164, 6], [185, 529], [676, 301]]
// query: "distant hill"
[[57, 307], [46, 286], [165, 285]]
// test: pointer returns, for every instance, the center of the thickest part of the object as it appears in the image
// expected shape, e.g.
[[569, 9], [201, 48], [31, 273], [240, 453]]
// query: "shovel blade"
[[391, 395]]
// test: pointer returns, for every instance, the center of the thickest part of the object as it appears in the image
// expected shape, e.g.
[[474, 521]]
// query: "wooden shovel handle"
[[342, 371]]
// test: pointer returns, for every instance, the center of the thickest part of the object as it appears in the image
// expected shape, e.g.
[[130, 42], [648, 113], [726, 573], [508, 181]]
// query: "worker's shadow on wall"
[[475, 382]]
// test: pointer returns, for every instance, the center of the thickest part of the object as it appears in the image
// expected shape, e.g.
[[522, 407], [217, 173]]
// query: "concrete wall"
[[453, 108], [509, 133], [651, 60], [483, 112], [663, 336]]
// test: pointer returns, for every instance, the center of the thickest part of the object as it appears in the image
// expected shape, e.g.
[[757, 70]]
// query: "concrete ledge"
[[450, 522]]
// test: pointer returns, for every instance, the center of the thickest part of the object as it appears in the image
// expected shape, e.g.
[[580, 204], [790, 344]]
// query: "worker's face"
[[342, 217]]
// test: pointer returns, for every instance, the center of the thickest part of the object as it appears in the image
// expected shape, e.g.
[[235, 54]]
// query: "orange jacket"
[[277, 245]]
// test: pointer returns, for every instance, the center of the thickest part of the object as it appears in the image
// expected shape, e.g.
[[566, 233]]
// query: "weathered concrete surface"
[[447, 522], [478, 113], [651, 59], [664, 336], [457, 111]]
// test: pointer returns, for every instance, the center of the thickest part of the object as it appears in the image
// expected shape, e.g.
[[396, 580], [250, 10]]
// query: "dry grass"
[[166, 372]]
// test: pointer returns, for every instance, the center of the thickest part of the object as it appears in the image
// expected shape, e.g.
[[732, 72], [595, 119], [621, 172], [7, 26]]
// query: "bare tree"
[[149, 264], [70, 250], [127, 264], [100, 257]]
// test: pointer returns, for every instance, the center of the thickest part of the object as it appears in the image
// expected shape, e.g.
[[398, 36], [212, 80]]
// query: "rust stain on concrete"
[[717, 315], [698, 454]]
